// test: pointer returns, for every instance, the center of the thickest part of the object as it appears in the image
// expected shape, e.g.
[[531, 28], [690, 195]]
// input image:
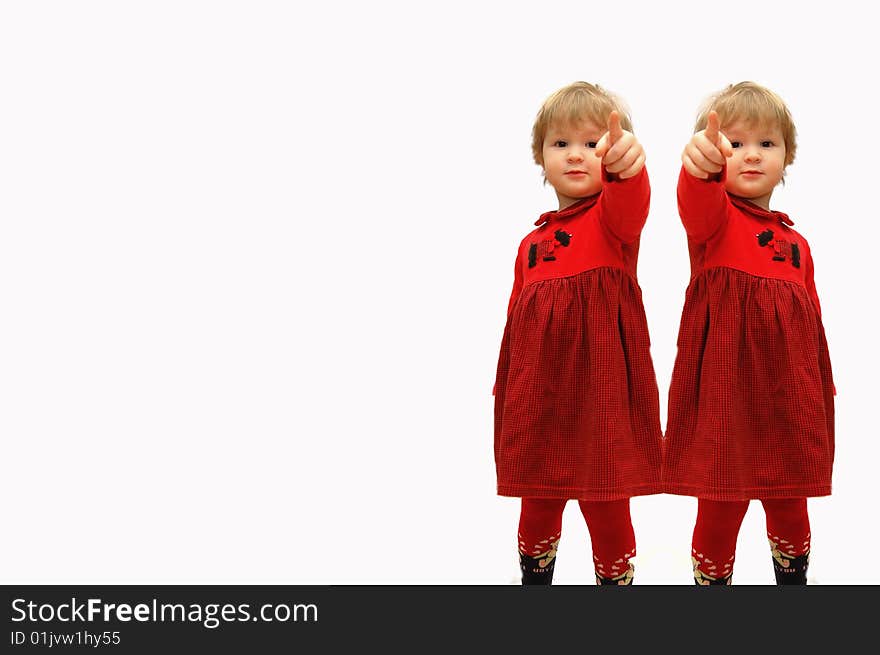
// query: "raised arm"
[[626, 191], [702, 200]]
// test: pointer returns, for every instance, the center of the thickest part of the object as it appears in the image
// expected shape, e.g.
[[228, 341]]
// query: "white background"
[[255, 261]]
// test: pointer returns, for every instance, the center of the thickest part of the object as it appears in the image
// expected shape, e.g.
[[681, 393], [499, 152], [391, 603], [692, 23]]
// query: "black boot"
[[791, 570], [536, 570]]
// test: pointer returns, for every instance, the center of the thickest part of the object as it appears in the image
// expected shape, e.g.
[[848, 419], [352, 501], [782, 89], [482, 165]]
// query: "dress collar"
[[760, 212], [580, 206]]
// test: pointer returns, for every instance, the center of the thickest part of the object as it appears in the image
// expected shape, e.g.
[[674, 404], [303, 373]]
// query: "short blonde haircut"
[[573, 104], [755, 105]]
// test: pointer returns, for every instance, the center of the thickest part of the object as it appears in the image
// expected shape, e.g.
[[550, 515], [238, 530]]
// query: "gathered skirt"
[[576, 399], [751, 401]]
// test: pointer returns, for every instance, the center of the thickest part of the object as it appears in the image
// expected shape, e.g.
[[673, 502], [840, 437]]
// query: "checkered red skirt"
[[751, 402], [576, 401]]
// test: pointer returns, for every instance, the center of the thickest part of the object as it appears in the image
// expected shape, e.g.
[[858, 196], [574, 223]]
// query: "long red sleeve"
[[517, 284], [810, 282], [702, 204], [517, 289], [625, 204]]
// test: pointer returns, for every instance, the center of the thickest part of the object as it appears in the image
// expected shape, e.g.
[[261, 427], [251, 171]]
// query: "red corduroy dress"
[[576, 400], [751, 402]]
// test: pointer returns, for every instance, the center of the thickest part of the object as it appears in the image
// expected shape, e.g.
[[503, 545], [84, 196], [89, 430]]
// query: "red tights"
[[717, 527], [609, 524]]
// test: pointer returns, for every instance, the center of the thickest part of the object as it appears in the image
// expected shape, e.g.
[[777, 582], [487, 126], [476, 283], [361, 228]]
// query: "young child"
[[576, 400], [751, 407]]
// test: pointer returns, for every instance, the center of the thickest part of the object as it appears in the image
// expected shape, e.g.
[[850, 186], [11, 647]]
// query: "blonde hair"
[[755, 105], [572, 104]]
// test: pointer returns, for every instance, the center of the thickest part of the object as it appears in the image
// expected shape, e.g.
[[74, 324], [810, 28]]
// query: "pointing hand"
[[620, 151], [707, 151]]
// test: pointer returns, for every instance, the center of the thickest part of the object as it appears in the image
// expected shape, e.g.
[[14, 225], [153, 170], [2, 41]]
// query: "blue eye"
[[592, 144], [735, 144]]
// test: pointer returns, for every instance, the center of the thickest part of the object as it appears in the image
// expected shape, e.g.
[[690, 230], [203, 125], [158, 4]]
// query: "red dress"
[[576, 401], [751, 402]]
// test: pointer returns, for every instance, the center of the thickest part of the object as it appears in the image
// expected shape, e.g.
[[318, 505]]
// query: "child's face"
[[570, 162], [757, 163]]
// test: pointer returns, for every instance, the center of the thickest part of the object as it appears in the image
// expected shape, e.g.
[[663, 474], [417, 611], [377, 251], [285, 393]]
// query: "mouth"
[[576, 172], [751, 172]]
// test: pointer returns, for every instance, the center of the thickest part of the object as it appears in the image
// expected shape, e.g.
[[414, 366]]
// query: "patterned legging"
[[717, 527], [609, 524]]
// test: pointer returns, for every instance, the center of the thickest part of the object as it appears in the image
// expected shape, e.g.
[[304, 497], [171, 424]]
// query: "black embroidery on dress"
[[544, 249], [782, 249], [564, 238]]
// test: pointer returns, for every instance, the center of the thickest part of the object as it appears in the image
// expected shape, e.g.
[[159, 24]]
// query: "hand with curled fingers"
[[707, 151], [620, 151]]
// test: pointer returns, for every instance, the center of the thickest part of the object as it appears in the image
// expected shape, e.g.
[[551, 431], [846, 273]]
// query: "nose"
[[753, 154], [575, 154]]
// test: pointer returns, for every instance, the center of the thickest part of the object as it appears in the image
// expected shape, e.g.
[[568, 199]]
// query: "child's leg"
[[788, 530], [714, 542], [613, 539], [540, 527]]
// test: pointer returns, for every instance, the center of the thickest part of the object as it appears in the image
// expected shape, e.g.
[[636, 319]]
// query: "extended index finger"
[[614, 129], [712, 128]]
